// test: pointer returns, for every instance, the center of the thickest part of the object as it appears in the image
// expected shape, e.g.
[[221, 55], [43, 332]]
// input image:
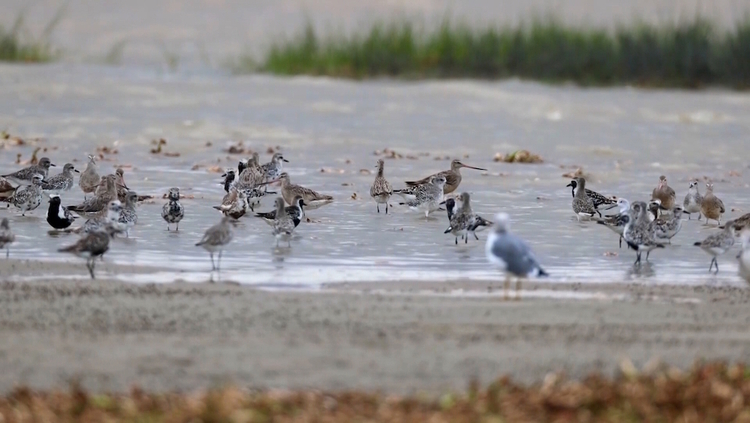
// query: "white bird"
[[744, 256]]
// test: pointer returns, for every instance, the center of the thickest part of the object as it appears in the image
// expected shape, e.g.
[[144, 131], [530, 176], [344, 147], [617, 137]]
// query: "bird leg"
[[90, 265], [620, 241], [378, 206], [506, 288], [475, 235], [518, 289], [456, 240], [638, 258], [213, 266], [466, 238], [386, 208], [218, 265], [7, 252], [178, 227]]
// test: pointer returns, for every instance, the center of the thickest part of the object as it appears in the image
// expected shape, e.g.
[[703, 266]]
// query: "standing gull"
[[427, 197], [664, 193], [6, 236], [216, 239], [312, 199], [718, 244], [29, 197], [381, 190], [25, 175], [583, 206], [511, 254], [693, 200], [283, 225], [599, 200], [617, 222], [711, 206], [452, 177], [463, 220], [62, 182], [173, 212], [89, 179]]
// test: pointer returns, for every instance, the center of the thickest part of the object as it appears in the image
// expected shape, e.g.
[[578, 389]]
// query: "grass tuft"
[[16, 45], [691, 54]]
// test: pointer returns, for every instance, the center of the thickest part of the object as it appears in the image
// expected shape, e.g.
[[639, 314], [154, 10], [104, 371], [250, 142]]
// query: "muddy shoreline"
[[111, 335]]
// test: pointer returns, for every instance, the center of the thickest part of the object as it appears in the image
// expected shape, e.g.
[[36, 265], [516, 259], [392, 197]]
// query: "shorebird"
[[91, 245], [108, 218], [693, 200], [272, 170], [61, 182], [718, 244], [252, 175], [234, 204], [283, 226], [583, 206], [295, 211], [744, 255], [25, 175], [128, 215], [711, 206], [173, 212], [229, 177], [666, 229], [99, 202], [428, 197], [654, 206], [89, 179], [29, 197], [511, 254], [617, 222], [58, 216], [638, 233], [312, 199], [381, 190], [462, 220], [742, 222], [664, 193], [597, 199], [6, 189], [452, 177], [216, 239], [122, 189], [479, 224], [6, 236]]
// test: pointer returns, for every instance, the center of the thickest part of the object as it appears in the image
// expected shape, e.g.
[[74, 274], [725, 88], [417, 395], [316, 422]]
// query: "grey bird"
[[427, 197], [511, 254], [173, 212], [273, 169], [638, 233], [295, 211], [25, 175], [381, 189], [744, 255], [91, 246], [96, 204], [666, 229], [61, 182], [216, 239], [6, 189], [108, 219], [29, 197], [693, 200], [617, 222], [283, 226], [718, 244], [90, 178], [599, 200], [129, 216], [583, 206], [462, 220], [6, 236]]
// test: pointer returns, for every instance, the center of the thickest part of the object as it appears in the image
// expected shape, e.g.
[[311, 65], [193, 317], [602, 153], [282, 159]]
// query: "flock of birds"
[[109, 208]]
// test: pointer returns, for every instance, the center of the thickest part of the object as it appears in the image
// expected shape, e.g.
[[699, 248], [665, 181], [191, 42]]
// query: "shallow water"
[[624, 138]]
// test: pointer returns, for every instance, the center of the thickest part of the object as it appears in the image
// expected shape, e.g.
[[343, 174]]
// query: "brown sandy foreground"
[[393, 337]]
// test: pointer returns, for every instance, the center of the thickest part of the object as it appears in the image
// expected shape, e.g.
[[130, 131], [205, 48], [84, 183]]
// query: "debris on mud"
[[518, 156]]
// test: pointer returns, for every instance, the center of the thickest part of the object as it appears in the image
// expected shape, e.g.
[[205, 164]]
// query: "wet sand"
[[396, 337]]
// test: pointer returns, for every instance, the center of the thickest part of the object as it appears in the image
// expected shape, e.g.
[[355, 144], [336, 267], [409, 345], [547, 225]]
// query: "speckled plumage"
[[234, 204], [452, 177], [718, 243], [273, 169], [427, 197], [312, 199], [61, 182], [29, 197], [99, 202], [597, 199], [25, 175], [129, 215], [381, 189], [639, 233], [666, 229], [582, 204], [463, 220], [173, 211], [283, 225], [296, 212], [693, 200]]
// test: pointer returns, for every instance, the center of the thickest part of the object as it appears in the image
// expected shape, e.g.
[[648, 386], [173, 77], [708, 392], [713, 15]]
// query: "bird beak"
[[472, 167], [569, 185], [269, 182], [52, 164], [76, 171], [123, 186], [285, 160], [223, 175]]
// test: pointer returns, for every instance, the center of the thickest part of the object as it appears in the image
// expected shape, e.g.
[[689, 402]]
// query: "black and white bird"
[[29, 197], [173, 212], [58, 216], [273, 169], [296, 211], [598, 200], [61, 182], [510, 254], [617, 222]]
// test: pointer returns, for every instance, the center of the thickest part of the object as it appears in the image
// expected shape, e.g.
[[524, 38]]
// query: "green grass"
[[16, 45], [692, 54]]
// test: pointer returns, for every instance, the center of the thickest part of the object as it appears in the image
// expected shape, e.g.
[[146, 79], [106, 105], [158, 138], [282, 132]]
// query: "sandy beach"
[[398, 337]]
